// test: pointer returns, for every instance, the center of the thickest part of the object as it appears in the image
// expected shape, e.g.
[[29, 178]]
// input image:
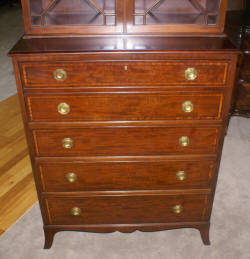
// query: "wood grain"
[[126, 141], [84, 44], [17, 189], [124, 73], [136, 175], [126, 209], [124, 107], [113, 140]]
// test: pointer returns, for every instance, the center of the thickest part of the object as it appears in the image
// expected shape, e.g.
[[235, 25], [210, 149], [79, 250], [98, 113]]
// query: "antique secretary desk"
[[125, 105]]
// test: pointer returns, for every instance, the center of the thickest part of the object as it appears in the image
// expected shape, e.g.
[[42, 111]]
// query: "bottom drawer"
[[126, 209]]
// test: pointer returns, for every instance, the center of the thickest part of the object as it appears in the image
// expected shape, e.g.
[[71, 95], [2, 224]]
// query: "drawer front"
[[124, 73], [126, 209], [120, 141], [125, 175], [124, 107]]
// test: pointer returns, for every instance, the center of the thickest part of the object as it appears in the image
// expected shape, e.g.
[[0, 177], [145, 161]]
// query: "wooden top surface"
[[103, 44]]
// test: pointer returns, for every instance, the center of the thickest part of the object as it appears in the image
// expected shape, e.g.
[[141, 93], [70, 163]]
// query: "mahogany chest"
[[125, 132]]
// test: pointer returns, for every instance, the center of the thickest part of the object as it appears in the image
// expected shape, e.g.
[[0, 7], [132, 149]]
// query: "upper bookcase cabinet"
[[144, 17]]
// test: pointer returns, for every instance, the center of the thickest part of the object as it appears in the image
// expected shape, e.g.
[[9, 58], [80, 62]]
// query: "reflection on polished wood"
[[85, 44], [17, 189]]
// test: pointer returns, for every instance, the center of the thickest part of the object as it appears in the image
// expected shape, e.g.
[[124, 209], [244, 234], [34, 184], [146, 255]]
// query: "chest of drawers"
[[125, 139]]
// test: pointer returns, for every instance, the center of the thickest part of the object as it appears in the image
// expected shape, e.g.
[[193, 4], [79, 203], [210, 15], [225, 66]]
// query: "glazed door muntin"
[[74, 12], [45, 17], [148, 12], [73, 17], [182, 16]]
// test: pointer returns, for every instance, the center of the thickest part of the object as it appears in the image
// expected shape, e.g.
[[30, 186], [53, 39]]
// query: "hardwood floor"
[[17, 188]]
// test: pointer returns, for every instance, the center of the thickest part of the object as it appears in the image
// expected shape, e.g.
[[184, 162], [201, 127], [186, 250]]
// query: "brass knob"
[[177, 209], [71, 177], [181, 175], [187, 106], [76, 211], [67, 143], [191, 73], [63, 108], [60, 74], [184, 141]]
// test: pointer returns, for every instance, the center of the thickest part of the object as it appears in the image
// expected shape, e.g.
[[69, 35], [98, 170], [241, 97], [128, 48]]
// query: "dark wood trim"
[[124, 25], [51, 230]]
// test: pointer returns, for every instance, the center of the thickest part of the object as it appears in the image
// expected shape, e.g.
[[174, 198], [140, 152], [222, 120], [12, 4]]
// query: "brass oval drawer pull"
[[184, 141], [63, 108], [67, 143], [177, 209], [181, 175], [191, 73], [187, 106], [71, 177], [76, 211], [60, 74]]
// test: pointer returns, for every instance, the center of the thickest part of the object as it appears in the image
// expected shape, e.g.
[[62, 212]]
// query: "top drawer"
[[93, 74]]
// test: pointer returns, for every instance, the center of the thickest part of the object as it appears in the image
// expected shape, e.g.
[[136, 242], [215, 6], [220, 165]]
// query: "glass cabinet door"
[[175, 15], [76, 16], [98, 17]]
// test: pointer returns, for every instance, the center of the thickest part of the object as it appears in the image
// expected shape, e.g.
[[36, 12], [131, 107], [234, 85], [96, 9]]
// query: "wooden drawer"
[[123, 209], [123, 73], [139, 175], [122, 141], [124, 107]]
